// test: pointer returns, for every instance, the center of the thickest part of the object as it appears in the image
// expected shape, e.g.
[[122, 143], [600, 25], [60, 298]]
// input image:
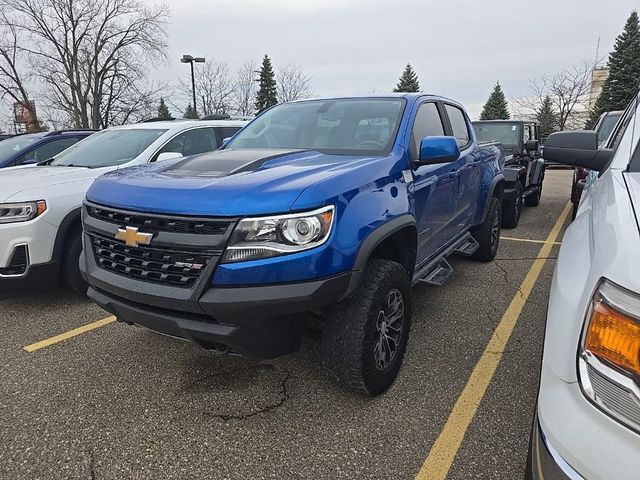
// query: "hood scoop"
[[223, 163]]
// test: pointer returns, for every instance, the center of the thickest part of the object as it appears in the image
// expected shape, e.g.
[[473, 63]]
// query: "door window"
[[226, 132], [458, 125], [191, 142], [48, 150], [427, 124]]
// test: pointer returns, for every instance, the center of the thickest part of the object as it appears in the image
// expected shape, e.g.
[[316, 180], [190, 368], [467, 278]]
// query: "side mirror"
[[438, 150], [168, 156], [578, 148], [531, 145]]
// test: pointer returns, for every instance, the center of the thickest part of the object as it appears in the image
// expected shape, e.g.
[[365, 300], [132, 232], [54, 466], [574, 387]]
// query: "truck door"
[[469, 170], [434, 187]]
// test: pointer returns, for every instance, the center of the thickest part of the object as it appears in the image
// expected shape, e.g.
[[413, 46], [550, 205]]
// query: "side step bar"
[[468, 248], [439, 275], [438, 270]]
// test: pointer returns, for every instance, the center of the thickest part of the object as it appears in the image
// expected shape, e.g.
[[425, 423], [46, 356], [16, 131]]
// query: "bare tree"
[[13, 79], [568, 91], [292, 83], [215, 87], [246, 88], [93, 55]]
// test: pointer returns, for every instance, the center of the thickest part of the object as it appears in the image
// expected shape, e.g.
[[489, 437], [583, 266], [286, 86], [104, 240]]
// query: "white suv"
[[40, 240], [588, 415]]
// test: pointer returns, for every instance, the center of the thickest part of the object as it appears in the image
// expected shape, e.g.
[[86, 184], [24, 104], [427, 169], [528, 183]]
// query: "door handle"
[[454, 173]]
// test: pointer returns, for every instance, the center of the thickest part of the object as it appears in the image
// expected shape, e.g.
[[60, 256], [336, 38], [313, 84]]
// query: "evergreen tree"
[[266, 96], [408, 81], [190, 112], [496, 106], [624, 72], [547, 118], [163, 110]]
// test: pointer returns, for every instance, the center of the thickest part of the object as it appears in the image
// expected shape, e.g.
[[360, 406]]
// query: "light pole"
[[190, 59]]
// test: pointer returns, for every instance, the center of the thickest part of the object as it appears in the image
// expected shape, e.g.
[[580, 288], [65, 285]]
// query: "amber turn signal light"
[[614, 337]]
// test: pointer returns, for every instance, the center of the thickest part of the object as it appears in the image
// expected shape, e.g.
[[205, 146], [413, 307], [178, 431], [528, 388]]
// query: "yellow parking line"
[[439, 460], [514, 239], [71, 333]]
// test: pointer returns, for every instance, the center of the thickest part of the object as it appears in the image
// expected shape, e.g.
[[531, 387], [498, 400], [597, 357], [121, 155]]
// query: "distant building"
[[599, 75]]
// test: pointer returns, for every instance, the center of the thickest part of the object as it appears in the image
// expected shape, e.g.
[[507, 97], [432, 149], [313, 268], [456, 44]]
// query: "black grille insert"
[[19, 262], [158, 265], [159, 223]]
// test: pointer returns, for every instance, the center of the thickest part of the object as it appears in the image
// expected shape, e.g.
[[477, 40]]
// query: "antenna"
[[597, 52]]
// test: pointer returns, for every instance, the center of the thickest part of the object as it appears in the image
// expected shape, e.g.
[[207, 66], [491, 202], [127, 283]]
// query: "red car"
[[603, 128]]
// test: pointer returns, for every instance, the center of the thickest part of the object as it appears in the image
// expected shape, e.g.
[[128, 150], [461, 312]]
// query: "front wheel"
[[365, 337], [511, 211], [487, 234], [533, 200], [71, 265]]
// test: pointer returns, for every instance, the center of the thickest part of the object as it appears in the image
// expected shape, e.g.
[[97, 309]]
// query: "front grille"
[[157, 265], [158, 223], [616, 399]]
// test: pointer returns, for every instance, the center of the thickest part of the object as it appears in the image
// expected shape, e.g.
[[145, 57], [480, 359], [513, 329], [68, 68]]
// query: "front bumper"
[[259, 322], [158, 285], [574, 439], [33, 241]]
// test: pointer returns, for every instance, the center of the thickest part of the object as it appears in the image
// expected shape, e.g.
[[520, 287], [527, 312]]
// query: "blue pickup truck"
[[334, 207]]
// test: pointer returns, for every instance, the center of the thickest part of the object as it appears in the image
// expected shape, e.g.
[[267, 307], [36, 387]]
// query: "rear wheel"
[[71, 264], [365, 337], [511, 211], [487, 234]]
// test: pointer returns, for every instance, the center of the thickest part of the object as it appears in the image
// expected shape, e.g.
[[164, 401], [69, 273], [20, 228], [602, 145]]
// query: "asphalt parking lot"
[[116, 401]]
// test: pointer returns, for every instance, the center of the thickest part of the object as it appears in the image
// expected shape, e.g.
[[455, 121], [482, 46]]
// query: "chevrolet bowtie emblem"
[[132, 237]]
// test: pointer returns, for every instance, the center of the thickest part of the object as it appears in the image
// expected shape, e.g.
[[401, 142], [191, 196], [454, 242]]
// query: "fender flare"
[[497, 183], [537, 175], [377, 236], [369, 244], [512, 174], [64, 229]]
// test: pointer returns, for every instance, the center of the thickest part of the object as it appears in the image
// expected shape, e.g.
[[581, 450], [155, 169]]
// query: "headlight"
[[21, 212], [265, 237], [609, 362]]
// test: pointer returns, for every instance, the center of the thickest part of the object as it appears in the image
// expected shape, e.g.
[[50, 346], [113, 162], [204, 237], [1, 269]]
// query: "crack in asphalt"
[[506, 276], [92, 464], [284, 396]]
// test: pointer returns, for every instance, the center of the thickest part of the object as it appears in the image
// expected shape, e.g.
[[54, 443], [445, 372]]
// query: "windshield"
[[108, 148], [13, 145], [604, 129], [508, 134], [364, 126]]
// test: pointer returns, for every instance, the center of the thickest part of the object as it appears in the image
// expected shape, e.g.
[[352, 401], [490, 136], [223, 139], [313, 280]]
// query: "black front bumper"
[[544, 462], [38, 277], [259, 322]]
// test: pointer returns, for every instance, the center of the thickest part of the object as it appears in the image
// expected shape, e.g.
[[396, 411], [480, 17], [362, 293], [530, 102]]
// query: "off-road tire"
[[511, 210], [349, 334], [533, 200], [486, 235], [71, 266]]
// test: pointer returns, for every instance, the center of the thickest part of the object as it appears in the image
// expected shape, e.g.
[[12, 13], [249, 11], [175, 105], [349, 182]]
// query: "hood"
[[13, 180], [225, 182], [633, 185]]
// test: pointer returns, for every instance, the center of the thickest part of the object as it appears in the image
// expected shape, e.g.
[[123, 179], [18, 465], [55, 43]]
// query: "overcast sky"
[[459, 48]]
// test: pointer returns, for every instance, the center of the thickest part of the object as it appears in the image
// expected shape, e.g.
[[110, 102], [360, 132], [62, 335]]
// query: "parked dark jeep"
[[523, 167]]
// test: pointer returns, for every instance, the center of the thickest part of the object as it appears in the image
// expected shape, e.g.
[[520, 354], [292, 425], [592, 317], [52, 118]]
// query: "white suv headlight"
[[609, 358], [264, 237], [21, 212]]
